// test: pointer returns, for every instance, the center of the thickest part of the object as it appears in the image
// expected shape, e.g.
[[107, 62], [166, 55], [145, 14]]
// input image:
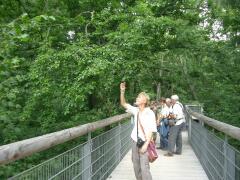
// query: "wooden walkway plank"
[[178, 167]]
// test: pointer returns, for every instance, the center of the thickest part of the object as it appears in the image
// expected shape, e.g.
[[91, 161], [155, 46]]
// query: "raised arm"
[[122, 94]]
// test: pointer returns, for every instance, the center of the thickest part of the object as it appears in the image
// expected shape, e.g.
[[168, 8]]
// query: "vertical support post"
[[132, 120], [119, 145], [202, 123], [87, 166], [225, 157], [189, 128], [189, 122], [201, 111]]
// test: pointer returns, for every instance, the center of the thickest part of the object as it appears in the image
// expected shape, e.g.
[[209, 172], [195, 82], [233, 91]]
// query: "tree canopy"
[[61, 61]]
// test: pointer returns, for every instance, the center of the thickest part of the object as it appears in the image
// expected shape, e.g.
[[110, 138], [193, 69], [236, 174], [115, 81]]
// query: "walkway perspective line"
[[178, 167]]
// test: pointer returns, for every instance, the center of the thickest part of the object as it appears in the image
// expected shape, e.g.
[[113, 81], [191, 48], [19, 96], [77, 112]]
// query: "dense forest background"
[[61, 61]]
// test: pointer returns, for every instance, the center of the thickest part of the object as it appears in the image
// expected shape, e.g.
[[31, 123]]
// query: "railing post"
[[189, 128], [202, 123], [87, 167], [119, 142], [225, 157], [201, 111], [132, 120]]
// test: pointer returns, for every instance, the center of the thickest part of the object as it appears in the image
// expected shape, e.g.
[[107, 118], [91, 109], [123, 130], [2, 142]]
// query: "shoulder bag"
[[151, 150]]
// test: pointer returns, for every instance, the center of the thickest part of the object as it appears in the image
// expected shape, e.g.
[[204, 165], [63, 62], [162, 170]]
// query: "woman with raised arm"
[[144, 126]]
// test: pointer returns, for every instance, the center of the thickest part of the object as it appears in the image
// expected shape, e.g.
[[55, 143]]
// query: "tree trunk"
[[186, 77], [158, 91], [159, 86]]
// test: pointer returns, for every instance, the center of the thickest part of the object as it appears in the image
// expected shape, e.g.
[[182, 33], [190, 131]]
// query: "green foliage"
[[51, 80]]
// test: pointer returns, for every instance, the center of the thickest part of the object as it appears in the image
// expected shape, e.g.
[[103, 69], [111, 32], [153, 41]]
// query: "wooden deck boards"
[[178, 167]]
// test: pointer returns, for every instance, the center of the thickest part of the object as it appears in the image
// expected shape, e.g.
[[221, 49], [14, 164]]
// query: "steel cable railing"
[[220, 160], [94, 159]]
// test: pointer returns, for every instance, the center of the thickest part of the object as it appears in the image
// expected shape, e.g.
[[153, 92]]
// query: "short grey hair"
[[175, 97], [168, 100]]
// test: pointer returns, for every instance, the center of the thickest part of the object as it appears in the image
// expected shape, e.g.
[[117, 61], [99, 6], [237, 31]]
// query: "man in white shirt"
[[167, 109], [144, 120], [175, 132]]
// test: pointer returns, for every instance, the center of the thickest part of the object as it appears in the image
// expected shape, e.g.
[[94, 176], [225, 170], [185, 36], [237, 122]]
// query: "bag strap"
[[140, 126], [179, 105], [137, 123]]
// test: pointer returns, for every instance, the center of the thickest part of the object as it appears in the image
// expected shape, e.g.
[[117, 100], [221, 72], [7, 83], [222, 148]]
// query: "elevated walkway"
[[206, 154], [178, 167]]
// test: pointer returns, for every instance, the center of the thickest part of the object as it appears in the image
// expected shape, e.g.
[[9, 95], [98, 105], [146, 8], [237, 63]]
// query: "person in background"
[[164, 126], [159, 109], [176, 126], [144, 118], [159, 116]]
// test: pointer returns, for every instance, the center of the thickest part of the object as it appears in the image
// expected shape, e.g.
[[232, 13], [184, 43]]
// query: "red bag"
[[152, 153], [151, 149]]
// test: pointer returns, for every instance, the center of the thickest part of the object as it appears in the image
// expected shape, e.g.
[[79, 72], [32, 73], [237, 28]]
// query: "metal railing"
[[14, 151], [96, 158], [220, 160], [92, 160]]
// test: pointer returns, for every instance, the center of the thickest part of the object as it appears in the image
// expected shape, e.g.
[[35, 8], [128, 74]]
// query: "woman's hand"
[[123, 86], [144, 148]]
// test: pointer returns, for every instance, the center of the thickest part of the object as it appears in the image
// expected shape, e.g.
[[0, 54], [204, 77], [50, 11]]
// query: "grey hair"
[[168, 100], [175, 97]]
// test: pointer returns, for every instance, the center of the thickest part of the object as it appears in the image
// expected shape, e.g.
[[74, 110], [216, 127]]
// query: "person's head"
[[153, 104], [142, 99], [174, 98], [168, 102], [162, 101]]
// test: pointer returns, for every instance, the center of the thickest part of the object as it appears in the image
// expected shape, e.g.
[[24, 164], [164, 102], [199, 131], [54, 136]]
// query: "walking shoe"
[[168, 154], [177, 153]]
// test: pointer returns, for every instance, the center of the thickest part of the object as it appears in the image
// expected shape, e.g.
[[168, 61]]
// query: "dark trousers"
[[163, 131], [163, 142], [175, 138]]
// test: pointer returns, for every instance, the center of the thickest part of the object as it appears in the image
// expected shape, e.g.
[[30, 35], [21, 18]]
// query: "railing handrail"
[[228, 129], [20, 149]]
